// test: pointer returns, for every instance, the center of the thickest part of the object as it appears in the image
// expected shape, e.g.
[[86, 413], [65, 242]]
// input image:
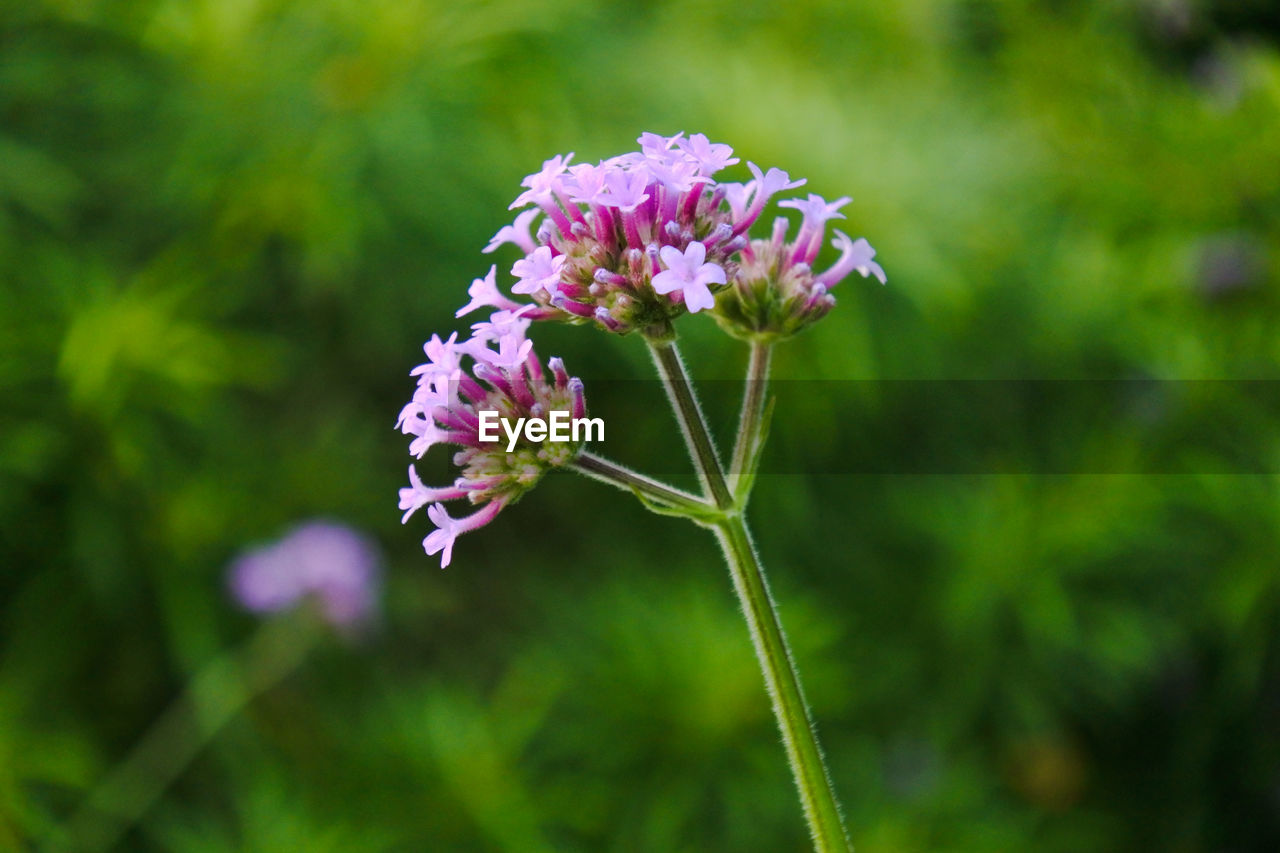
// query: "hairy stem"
[[817, 797], [821, 809], [747, 447], [599, 468], [692, 423]]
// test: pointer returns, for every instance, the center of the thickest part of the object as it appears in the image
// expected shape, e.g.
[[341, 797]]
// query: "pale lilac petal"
[[544, 183], [484, 293], [697, 297], [816, 209], [688, 271], [711, 157], [538, 271], [440, 541], [517, 233]]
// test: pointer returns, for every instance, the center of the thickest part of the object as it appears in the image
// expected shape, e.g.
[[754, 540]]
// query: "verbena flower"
[[328, 562], [775, 292], [687, 272], [628, 244], [505, 377], [618, 240], [611, 231]]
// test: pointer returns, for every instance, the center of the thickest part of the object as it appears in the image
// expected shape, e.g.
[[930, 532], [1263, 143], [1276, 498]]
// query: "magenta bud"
[[606, 319], [569, 306], [579, 398]]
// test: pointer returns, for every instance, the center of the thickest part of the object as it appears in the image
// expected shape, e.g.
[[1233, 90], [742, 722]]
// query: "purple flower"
[[625, 191], [543, 184], [441, 355], [816, 209], [414, 421], [604, 252], [854, 255], [657, 147], [517, 233], [817, 212], [711, 157], [334, 564], [774, 181], [687, 271], [484, 292], [418, 495], [764, 187], [455, 406], [538, 271], [680, 174], [448, 529], [506, 329], [586, 183]]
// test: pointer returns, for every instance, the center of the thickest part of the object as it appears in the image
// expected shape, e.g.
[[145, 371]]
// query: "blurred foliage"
[[226, 228]]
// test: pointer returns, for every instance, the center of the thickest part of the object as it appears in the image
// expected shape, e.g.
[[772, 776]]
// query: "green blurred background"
[[226, 227]]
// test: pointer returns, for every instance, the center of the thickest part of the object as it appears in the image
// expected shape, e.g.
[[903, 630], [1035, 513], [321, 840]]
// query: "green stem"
[[692, 424], [817, 797], [213, 697], [747, 447], [821, 809], [599, 468]]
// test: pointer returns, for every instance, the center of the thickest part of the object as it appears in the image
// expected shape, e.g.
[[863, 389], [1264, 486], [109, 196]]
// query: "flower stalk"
[[782, 679], [692, 424], [599, 468], [752, 423], [211, 700]]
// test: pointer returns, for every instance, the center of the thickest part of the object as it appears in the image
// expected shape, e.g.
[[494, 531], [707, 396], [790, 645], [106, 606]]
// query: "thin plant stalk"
[[782, 680], [212, 698], [692, 424], [751, 422], [607, 471], [800, 737]]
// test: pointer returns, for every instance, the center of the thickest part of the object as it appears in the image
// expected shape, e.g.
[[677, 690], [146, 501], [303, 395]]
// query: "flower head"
[[452, 405], [617, 244], [329, 562], [596, 257], [775, 293]]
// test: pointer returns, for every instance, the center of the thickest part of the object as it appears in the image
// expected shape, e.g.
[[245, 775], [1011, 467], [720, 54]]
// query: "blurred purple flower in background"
[[337, 566]]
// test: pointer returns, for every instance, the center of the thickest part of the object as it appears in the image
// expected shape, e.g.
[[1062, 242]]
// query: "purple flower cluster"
[[628, 244], [775, 293], [329, 562], [634, 241], [505, 376]]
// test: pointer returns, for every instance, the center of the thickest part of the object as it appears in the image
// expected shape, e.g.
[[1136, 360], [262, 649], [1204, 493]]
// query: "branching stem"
[[782, 680]]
